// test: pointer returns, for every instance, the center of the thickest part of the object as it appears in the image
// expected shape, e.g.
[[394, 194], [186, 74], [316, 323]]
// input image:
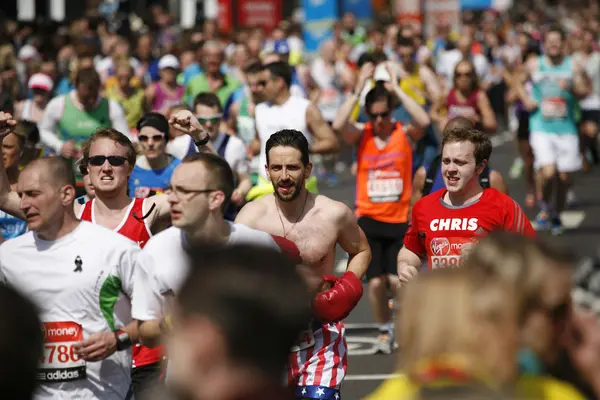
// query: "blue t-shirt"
[[143, 181], [11, 226]]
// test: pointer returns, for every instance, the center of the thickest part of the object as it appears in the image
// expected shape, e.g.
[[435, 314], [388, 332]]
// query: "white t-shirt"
[[181, 146], [81, 283], [235, 153], [163, 267]]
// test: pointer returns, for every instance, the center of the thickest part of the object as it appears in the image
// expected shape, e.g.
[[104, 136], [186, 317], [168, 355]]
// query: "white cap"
[[381, 73], [168, 61], [28, 52], [40, 81]]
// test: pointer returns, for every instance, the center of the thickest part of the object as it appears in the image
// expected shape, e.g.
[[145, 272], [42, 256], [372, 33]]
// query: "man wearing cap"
[[212, 79], [41, 86], [154, 167], [165, 93]]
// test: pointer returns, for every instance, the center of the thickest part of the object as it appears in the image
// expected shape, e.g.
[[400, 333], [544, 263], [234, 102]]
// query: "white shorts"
[[560, 150]]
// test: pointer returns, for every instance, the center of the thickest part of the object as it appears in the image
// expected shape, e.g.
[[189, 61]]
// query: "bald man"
[[80, 277], [428, 178]]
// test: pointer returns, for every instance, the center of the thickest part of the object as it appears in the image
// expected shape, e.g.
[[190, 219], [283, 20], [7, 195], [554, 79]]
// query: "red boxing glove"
[[336, 303]]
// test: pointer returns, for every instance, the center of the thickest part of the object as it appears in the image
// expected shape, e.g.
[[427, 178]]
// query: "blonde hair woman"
[[541, 273], [457, 329]]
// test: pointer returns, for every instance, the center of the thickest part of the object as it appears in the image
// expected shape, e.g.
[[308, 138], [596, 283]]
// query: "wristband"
[[123, 340], [202, 142]]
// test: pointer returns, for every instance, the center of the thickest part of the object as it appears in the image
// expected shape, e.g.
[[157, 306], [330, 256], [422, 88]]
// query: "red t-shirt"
[[443, 233]]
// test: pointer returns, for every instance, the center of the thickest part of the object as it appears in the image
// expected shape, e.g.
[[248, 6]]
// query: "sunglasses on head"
[[155, 138], [384, 114], [214, 119], [115, 161]]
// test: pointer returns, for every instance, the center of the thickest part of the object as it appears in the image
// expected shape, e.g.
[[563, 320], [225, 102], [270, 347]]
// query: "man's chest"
[[315, 242]]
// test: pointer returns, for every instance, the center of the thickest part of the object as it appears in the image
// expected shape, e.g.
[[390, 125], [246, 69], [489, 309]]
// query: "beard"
[[293, 194]]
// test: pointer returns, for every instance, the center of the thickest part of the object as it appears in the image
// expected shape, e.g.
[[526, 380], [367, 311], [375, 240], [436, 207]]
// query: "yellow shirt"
[[528, 387], [414, 87]]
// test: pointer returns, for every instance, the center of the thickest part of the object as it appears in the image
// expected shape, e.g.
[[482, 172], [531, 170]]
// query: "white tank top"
[[271, 118]]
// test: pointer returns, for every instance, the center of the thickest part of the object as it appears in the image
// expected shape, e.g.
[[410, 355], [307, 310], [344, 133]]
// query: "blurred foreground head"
[[21, 342], [240, 311], [448, 319], [541, 274]]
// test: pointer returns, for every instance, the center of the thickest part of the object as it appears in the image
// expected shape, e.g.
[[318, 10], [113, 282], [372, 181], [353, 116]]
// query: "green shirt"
[[200, 84], [78, 125]]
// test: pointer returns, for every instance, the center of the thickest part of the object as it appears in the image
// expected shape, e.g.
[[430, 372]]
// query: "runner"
[[200, 189], [282, 111], [429, 178], [383, 186], [110, 157], [465, 99], [153, 167], [13, 146], [315, 224], [557, 82], [165, 93], [446, 223], [32, 109], [84, 295]]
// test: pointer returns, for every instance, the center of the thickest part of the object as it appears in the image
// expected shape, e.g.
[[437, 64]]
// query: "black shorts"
[[386, 241], [590, 115], [523, 129]]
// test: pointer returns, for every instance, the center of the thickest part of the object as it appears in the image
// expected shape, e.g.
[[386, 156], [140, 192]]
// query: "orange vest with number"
[[384, 177]]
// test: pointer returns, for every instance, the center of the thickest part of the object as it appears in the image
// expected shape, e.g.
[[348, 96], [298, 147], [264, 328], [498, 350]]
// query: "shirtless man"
[[315, 224]]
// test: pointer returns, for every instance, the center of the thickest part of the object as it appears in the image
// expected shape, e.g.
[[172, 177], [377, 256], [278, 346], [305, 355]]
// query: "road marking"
[[355, 348], [374, 377], [361, 325], [500, 139]]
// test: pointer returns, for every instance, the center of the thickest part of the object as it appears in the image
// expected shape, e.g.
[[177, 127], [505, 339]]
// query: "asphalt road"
[[367, 370]]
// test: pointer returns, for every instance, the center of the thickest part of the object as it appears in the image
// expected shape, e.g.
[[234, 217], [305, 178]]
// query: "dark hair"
[[219, 171], [87, 76], [482, 143], [363, 59], [21, 344], [156, 121], [208, 99], [378, 93], [404, 41], [59, 170], [113, 134], [473, 75], [255, 296], [458, 123], [254, 67], [556, 28], [280, 69], [289, 138], [29, 131], [379, 57]]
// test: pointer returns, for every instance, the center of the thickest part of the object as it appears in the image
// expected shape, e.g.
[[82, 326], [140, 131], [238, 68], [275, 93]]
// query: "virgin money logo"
[[440, 246]]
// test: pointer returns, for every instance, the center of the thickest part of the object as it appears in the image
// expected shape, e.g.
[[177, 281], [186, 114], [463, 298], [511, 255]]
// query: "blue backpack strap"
[[431, 175], [223, 146]]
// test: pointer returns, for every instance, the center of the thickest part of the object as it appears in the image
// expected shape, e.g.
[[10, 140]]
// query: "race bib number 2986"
[[59, 363]]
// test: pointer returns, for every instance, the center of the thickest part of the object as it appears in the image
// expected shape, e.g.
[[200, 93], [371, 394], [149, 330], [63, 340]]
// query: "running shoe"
[[557, 227], [542, 222], [516, 169], [385, 343]]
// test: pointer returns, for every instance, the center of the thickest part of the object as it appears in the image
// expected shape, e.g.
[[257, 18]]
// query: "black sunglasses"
[[115, 161], [155, 138], [384, 114]]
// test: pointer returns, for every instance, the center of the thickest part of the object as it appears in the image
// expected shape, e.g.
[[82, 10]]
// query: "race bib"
[[554, 108], [59, 363], [449, 252], [305, 340], [381, 190]]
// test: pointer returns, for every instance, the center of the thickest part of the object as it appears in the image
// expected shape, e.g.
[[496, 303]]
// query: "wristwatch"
[[123, 340], [202, 142]]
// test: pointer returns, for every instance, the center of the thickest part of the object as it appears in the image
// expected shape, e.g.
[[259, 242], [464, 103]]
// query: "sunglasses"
[[384, 114], [214, 119], [115, 161], [155, 138]]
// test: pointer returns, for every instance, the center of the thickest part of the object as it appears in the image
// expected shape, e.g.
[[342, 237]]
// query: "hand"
[[406, 272], [184, 121], [393, 71], [237, 197], [69, 149], [366, 72], [97, 347], [7, 123], [336, 303]]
